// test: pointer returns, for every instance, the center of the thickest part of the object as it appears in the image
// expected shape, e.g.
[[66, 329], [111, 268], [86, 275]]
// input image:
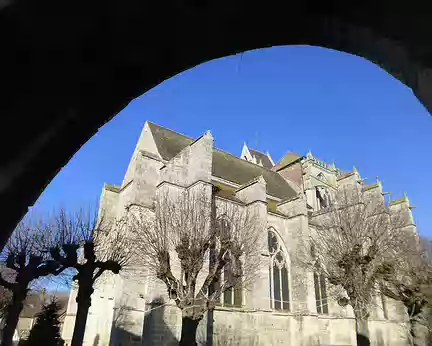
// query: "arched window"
[[320, 292], [279, 274], [233, 295], [319, 284], [322, 176]]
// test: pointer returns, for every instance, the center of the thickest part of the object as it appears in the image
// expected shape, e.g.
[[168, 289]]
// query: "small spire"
[[377, 179], [406, 199], [309, 154], [208, 134], [355, 169]]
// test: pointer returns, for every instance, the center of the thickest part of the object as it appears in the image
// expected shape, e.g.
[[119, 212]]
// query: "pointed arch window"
[[232, 296], [279, 274], [319, 285], [320, 293], [322, 176]]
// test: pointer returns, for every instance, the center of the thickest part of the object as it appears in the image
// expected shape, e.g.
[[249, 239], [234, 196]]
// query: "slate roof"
[[232, 168], [344, 175], [33, 304], [226, 166], [168, 142], [261, 157], [286, 160]]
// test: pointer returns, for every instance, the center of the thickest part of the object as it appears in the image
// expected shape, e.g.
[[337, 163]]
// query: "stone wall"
[[192, 164], [134, 309], [238, 327], [242, 327]]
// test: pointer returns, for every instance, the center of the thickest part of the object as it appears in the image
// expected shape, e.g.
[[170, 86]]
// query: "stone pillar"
[[401, 209], [108, 201], [254, 195]]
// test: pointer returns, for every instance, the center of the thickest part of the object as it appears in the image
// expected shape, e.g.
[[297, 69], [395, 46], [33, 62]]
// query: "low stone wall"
[[388, 333], [162, 326]]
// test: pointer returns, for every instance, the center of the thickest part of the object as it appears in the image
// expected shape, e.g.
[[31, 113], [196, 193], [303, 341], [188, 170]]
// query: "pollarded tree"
[[198, 249], [5, 294], [411, 283], [26, 256], [104, 249], [355, 241]]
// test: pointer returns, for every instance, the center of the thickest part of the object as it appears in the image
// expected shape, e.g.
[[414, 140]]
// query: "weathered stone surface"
[[149, 315], [69, 67]]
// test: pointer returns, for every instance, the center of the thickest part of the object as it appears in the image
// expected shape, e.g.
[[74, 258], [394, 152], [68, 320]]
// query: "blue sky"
[[293, 98]]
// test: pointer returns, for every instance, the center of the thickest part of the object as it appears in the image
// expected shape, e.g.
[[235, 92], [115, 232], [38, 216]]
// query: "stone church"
[[288, 305]]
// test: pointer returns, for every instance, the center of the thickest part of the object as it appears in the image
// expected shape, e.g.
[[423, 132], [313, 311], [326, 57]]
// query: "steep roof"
[[34, 301], [286, 160], [261, 157], [168, 142], [239, 171], [226, 166], [32, 305]]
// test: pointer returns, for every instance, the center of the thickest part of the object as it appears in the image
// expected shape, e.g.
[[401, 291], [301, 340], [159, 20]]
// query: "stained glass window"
[[279, 274], [233, 295], [320, 293]]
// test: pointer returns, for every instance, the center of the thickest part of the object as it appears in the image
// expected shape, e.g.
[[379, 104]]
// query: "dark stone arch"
[[70, 66]]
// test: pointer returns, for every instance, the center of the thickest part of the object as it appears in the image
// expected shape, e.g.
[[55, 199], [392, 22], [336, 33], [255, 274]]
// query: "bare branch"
[[358, 243], [189, 239]]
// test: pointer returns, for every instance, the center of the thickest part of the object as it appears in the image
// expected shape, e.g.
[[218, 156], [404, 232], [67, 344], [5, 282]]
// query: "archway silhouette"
[[69, 67]]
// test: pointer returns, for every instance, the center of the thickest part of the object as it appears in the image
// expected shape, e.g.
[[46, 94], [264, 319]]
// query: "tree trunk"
[[188, 333], [84, 303], [412, 332], [418, 332], [12, 316], [362, 328], [210, 327]]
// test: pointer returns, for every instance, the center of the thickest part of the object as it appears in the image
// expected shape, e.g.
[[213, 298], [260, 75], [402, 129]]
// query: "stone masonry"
[[130, 311]]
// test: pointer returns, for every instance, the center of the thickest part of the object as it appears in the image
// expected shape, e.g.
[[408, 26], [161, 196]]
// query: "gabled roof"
[[34, 301], [233, 168], [226, 166], [287, 160], [261, 158], [168, 142]]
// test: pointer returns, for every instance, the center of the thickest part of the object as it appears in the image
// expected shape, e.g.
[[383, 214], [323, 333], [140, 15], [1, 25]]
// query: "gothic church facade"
[[288, 305]]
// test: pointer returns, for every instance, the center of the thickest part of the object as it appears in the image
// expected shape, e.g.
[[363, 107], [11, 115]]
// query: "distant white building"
[[289, 305]]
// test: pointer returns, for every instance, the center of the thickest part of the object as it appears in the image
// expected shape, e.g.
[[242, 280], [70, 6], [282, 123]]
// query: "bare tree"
[[354, 243], [5, 294], [199, 248], [104, 249], [411, 283], [26, 255]]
